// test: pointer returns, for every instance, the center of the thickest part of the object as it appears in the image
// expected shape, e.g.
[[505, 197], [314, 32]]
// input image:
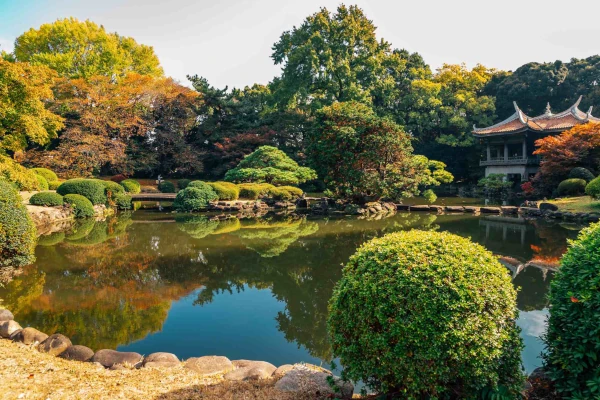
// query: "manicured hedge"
[[48, 199], [166, 187], [194, 198], [183, 183], [226, 190], [131, 186], [91, 189], [82, 207], [123, 201], [53, 185], [13, 172], [572, 359], [286, 192], [42, 182], [425, 314], [17, 230], [46, 173], [571, 187], [593, 188], [581, 173], [112, 187], [253, 191]]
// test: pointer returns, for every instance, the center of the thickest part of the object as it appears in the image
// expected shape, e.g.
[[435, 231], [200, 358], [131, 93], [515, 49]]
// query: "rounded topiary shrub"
[[166, 187], [112, 187], [194, 198], [581, 173], [225, 190], [571, 187], [42, 182], [286, 192], [46, 173], [425, 315], [572, 358], [91, 189], [593, 188], [82, 207], [253, 191], [48, 199], [183, 183], [123, 201], [17, 230], [53, 185], [131, 186]]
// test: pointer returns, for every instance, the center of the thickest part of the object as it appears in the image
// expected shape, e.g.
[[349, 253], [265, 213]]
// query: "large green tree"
[[77, 49]]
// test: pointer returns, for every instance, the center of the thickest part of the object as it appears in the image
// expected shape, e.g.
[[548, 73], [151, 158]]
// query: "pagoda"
[[510, 143]]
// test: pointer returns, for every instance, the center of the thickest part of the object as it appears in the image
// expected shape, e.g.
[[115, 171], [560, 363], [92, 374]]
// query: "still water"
[[246, 289]]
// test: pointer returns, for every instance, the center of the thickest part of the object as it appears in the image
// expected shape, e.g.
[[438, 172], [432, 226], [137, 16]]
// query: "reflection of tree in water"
[[552, 242], [533, 289]]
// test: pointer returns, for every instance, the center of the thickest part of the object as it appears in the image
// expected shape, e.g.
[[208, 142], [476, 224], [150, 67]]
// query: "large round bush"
[[253, 191], [82, 207], [573, 338], [48, 199], [581, 173], [17, 230], [123, 201], [46, 173], [194, 198], [426, 314], [183, 183], [91, 189], [166, 187], [571, 187], [112, 187], [42, 182], [593, 188], [131, 186], [53, 185], [225, 190]]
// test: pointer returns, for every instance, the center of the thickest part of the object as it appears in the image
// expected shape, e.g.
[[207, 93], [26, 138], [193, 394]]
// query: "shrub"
[[253, 191], [495, 185], [194, 198], [292, 190], [53, 185], [123, 201], [166, 187], [42, 182], [593, 188], [572, 339], [581, 173], [17, 230], [183, 183], [82, 206], [225, 190], [571, 187], [426, 314], [112, 187], [48, 199], [46, 173], [118, 178], [429, 195], [13, 172], [131, 186], [91, 189]]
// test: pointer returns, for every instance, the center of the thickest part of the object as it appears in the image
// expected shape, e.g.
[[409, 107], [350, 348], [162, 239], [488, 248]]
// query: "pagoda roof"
[[548, 122]]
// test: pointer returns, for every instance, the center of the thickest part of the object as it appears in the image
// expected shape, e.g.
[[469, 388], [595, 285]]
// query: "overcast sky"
[[229, 41]]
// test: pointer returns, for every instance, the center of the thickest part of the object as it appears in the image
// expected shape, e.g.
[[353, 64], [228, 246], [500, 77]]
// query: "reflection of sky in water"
[[533, 325]]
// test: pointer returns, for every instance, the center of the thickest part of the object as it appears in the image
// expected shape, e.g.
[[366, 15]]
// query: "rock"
[[246, 370], [509, 209], [54, 344], [530, 211], [313, 381], [6, 315], [455, 209], [161, 360], [490, 210], [8, 327], [529, 203], [353, 209], [470, 209], [77, 353], [302, 203], [282, 370], [108, 358], [402, 207], [593, 217], [419, 208], [15, 335], [30, 336], [548, 207], [209, 365], [439, 209]]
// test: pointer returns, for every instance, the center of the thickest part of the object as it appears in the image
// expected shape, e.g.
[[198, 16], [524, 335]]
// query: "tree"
[[24, 119], [360, 154], [77, 49], [271, 165]]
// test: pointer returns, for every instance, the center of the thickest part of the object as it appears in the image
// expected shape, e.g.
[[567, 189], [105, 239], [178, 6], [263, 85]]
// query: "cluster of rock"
[[238, 206], [305, 378], [44, 217]]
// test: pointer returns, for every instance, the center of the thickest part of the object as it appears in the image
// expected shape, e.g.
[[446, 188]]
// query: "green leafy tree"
[[271, 165], [360, 154], [77, 49]]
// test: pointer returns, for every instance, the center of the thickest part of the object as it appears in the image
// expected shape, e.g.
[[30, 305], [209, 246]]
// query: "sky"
[[229, 41]]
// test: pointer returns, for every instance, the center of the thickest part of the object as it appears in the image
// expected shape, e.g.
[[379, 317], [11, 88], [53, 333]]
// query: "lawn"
[[577, 204]]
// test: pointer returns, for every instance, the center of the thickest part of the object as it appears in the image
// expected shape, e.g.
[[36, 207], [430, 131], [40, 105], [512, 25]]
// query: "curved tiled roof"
[[547, 122]]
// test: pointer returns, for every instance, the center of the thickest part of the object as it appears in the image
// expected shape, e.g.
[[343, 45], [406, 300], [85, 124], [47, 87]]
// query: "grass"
[[26, 373], [577, 204]]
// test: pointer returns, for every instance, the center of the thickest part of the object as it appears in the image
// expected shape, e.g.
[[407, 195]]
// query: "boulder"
[[439, 209], [490, 210], [353, 209], [246, 370], [6, 315], [108, 358], [161, 360], [30, 336], [402, 207], [77, 353], [419, 208], [471, 209], [55, 344], [509, 209], [455, 209], [282, 370], [7, 328], [313, 381], [15, 335], [210, 365], [532, 211], [302, 203], [548, 207]]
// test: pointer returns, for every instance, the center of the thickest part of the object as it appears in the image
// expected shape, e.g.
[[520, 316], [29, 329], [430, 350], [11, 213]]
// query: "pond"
[[247, 289]]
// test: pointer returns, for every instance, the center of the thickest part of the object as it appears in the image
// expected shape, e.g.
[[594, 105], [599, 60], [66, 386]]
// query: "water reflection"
[[113, 283]]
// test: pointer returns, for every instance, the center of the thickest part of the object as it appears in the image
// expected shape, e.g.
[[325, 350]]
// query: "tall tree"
[[77, 49]]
